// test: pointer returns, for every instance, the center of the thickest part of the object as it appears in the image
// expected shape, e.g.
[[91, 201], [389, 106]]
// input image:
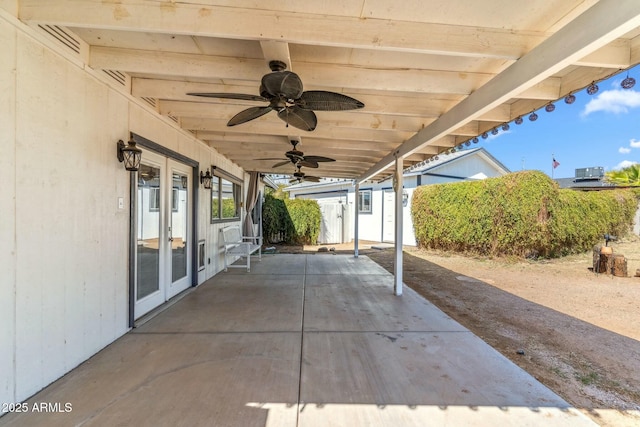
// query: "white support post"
[[357, 220], [397, 265]]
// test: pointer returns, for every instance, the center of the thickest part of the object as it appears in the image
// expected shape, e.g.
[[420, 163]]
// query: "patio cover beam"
[[599, 25]]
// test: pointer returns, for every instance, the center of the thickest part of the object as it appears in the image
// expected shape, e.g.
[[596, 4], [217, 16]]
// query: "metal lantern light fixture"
[[205, 179], [130, 155]]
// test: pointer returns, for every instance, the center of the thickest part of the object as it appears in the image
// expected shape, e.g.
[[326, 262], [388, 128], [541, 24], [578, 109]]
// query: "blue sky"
[[596, 130]]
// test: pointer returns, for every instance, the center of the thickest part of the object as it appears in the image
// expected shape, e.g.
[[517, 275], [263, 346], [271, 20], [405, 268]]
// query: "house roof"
[[429, 168], [431, 75], [446, 159]]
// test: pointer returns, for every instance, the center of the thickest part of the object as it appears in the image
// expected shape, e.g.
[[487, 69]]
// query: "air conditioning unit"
[[596, 172]]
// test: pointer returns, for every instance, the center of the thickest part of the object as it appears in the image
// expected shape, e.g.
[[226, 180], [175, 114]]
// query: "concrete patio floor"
[[301, 340]]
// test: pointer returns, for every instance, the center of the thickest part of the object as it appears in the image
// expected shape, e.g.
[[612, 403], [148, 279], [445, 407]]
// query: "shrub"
[[306, 217], [294, 221], [581, 218], [276, 224], [521, 214]]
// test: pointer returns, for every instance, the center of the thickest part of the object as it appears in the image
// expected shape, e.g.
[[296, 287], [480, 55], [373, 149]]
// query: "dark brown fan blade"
[[308, 163], [312, 178], [270, 158], [277, 165], [299, 118], [319, 159], [284, 83], [241, 96], [248, 114], [327, 101]]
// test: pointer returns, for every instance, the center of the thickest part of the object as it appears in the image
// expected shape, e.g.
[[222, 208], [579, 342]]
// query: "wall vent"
[[150, 101], [63, 36], [118, 76]]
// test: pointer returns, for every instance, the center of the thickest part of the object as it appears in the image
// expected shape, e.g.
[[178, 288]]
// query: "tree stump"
[[602, 259], [619, 268]]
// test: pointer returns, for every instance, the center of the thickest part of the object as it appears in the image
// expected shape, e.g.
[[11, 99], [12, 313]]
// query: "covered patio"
[[291, 345], [301, 339]]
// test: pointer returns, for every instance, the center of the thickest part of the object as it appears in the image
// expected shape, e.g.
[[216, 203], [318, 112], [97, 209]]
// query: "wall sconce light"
[[205, 179], [130, 155], [405, 198]]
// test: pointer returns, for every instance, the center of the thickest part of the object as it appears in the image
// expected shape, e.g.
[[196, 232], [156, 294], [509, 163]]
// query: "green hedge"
[[295, 221], [521, 214]]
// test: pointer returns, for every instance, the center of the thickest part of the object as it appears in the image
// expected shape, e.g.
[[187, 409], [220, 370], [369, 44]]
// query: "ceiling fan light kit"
[[284, 92]]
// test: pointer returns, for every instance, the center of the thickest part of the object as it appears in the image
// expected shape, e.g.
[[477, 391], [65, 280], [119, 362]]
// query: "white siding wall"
[[370, 225], [7, 213], [63, 239], [71, 239]]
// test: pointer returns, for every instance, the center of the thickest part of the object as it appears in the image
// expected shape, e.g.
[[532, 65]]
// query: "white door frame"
[[166, 288]]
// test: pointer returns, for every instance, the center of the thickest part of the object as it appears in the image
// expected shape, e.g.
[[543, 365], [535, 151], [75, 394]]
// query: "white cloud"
[[624, 150], [613, 101], [634, 144], [624, 164], [491, 137]]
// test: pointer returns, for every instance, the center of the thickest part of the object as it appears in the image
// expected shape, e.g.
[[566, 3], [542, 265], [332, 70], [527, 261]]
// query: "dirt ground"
[[577, 332]]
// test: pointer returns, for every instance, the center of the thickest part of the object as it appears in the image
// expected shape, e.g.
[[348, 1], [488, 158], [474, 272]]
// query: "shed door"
[[331, 225]]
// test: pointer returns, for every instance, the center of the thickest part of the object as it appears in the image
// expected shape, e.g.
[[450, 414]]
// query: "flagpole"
[[553, 156]]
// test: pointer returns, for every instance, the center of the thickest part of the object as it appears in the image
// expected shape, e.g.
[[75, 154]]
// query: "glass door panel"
[[179, 228], [151, 244], [148, 253], [179, 222]]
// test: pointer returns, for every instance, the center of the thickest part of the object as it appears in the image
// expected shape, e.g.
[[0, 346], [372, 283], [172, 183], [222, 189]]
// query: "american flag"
[[555, 163]]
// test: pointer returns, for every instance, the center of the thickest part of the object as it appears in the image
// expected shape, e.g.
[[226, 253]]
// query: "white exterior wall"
[[7, 212], [369, 224], [63, 240]]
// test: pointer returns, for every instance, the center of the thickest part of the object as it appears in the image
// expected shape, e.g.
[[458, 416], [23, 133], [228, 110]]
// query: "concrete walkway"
[[302, 340]]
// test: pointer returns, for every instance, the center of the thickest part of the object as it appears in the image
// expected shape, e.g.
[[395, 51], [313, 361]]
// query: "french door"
[[163, 226]]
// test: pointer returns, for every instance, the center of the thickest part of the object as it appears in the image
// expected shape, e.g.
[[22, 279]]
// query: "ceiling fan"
[[297, 157], [300, 176], [283, 91]]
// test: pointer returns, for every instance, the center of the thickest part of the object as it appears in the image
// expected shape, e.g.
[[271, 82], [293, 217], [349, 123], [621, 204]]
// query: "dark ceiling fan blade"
[[284, 83], [299, 118], [277, 165], [248, 114], [327, 101], [312, 178], [241, 96], [319, 159], [270, 158], [308, 163]]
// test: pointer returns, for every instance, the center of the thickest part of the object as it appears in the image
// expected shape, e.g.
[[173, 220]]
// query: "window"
[[364, 201], [226, 196], [154, 199], [174, 199]]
